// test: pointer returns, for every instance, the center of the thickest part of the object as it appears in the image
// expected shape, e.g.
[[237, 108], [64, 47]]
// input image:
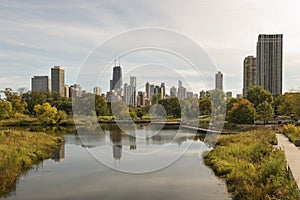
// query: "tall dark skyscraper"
[[269, 63], [147, 87], [58, 80], [219, 80], [249, 73], [40, 83], [116, 82], [163, 89]]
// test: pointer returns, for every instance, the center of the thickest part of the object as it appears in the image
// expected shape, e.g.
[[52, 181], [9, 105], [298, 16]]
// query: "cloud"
[[37, 35]]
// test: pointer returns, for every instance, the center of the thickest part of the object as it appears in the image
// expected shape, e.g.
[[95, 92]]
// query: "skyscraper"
[[147, 87], [40, 83], [269, 63], [181, 93], [173, 91], [219, 80], [249, 73], [163, 90], [130, 96], [133, 95], [116, 82], [97, 90], [58, 80]]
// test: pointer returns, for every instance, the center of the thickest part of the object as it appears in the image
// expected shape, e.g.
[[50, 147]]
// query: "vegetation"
[[242, 112], [47, 114], [251, 167], [5, 109], [19, 107], [288, 104], [265, 111], [292, 132], [19, 151], [258, 95]]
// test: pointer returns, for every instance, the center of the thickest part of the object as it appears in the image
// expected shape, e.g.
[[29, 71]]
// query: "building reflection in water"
[[59, 154], [118, 139]]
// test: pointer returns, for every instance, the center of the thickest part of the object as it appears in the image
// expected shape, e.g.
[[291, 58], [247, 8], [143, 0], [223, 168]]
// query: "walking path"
[[292, 154]]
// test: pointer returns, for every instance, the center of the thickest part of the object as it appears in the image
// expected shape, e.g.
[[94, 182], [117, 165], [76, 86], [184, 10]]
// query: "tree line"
[[50, 108]]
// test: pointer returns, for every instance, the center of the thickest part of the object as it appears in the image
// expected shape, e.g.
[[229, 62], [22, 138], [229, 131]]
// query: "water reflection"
[[59, 154], [80, 177]]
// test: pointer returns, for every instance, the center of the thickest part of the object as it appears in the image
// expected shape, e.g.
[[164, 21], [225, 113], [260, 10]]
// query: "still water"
[[104, 168]]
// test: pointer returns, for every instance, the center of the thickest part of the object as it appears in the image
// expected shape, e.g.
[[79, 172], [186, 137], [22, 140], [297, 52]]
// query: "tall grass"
[[251, 167], [19, 151], [292, 132]]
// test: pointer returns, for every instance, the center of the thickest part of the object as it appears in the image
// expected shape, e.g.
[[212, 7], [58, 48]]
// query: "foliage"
[[19, 151], [189, 109], [47, 114], [84, 105], [251, 167], [101, 106], [34, 98], [258, 95], [205, 105], [292, 132], [288, 104], [5, 109], [242, 112], [155, 99], [265, 111], [172, 106], [16, 100]]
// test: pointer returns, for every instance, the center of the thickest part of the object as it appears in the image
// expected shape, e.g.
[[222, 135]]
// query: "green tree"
[[288, 104], [242, 112], [172, 106], [18, 104], [205, 105], [258, 95], [46, 113], [265, 111], [101, 106], [189, 108], [33, 98], [155, 99], [5, 109]]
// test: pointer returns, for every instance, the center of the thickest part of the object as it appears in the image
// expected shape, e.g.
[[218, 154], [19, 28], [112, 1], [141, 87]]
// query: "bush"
[[19, 150], [292, 132], [251, 167]]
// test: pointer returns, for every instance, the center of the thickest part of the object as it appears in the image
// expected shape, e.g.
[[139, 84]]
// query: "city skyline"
[[26, 46]]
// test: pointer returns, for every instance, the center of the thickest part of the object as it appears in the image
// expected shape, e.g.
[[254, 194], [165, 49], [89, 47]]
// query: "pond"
[[117, 165]]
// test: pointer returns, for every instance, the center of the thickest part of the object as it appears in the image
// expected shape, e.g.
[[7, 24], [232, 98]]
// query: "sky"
[[36, 35]]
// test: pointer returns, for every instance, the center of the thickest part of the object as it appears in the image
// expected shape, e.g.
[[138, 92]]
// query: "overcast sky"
[[36, 35]]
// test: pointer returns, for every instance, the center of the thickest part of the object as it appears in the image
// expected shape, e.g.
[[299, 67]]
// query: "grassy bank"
[[251, 166], [19, 151], [292, 132]]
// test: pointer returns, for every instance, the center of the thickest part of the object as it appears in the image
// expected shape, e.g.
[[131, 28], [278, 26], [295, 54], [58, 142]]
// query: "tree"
[[265, 111], [155, 99], [258, 95], [33, 98], [18, 104], [189, 108], [288, 104], [101, 106], [46, 113], [172, 106], [205, 105], [242, 112], [5, 109]]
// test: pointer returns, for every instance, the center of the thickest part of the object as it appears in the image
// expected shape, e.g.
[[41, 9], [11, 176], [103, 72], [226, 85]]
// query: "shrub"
[[251, 167]]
